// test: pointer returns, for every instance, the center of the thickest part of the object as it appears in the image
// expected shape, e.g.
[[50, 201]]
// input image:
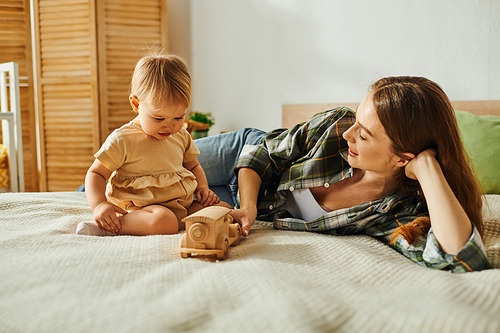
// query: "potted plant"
[[200, 123]]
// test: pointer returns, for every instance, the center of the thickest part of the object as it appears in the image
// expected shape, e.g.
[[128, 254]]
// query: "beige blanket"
[[52, 280]]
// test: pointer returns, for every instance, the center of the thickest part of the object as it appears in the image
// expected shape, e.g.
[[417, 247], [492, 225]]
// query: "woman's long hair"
[[417, 115]]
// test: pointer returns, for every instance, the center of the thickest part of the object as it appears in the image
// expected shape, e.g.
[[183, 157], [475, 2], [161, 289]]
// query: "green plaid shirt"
[[313, 154]]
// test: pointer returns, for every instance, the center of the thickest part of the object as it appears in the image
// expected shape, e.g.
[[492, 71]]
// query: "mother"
[[395, 170]]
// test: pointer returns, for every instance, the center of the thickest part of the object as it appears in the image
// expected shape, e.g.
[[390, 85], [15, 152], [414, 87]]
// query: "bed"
[[52, 280]]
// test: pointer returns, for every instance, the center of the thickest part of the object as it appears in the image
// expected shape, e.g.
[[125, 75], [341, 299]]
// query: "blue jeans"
[[218, 155]]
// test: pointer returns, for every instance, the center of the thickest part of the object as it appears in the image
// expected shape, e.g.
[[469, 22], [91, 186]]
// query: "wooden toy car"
[[210, 231]]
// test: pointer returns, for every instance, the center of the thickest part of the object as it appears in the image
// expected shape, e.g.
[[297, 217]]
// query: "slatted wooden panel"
[[87, 52], [129, 27], [68, 90], [15, 45]]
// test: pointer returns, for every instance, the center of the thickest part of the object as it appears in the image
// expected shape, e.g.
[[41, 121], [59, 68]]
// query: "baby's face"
[[160, 122]]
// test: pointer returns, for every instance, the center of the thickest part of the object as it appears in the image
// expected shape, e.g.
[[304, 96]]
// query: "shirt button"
[[326, 185], [292, 188], [271, 207]]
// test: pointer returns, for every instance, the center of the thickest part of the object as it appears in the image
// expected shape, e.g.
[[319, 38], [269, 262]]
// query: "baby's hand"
[[206, 197], [105, 216]]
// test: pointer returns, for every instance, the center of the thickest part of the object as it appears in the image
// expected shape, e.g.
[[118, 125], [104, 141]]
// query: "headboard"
[[296, 113]]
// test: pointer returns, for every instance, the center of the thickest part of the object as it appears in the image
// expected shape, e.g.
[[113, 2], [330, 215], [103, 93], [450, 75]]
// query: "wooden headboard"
[[296, 113]]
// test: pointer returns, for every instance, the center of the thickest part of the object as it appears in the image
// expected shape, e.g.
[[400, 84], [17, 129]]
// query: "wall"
[[249, 57]]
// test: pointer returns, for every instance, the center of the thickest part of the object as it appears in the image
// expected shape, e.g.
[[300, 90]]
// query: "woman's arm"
[[265, 166], [450, 224], [249, 184]]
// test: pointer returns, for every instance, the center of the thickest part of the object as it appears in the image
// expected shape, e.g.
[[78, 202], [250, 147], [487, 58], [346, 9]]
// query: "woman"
[[396, 170]]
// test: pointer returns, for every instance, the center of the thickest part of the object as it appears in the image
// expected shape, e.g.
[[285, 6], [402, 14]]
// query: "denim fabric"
[[218, 155]]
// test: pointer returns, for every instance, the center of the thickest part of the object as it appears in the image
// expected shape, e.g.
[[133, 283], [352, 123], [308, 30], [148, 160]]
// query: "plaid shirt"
[[313, 154]]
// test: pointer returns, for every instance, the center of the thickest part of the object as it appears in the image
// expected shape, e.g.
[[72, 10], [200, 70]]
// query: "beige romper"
[[149, 171]]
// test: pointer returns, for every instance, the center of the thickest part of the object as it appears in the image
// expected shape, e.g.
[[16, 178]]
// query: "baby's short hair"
[[162, 79]]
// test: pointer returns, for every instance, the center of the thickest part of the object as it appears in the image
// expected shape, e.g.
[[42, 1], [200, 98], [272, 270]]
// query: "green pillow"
[[481, 136]]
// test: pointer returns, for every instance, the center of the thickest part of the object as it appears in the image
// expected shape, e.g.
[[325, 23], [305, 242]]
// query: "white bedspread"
[[52, 280]]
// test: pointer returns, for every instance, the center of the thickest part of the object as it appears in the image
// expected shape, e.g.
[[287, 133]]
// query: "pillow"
[[481, 136]]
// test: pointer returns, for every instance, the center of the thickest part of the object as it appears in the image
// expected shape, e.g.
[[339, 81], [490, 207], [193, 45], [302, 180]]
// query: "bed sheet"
[[52, 280]]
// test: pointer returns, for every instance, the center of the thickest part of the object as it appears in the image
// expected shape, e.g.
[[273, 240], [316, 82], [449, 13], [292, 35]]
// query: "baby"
[[146, 174]]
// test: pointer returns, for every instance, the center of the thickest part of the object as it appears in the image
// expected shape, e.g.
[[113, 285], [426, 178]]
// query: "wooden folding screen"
[[126, 30], [15, 45], [86, 51]]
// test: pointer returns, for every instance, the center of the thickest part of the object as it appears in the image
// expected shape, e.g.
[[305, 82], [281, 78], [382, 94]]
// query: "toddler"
[[146, 174]]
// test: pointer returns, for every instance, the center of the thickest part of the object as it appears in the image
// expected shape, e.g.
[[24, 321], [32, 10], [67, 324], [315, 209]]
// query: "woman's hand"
[[245, 217], [418, 162], [207, 197], [105, 216]]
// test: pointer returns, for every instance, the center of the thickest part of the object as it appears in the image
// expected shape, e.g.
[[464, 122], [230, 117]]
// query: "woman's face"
[[370, 148], [158, 122]]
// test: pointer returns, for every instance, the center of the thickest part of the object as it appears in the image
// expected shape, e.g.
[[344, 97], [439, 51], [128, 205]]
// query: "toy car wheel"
[[225, 250], [237, 232], [183, 245]]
